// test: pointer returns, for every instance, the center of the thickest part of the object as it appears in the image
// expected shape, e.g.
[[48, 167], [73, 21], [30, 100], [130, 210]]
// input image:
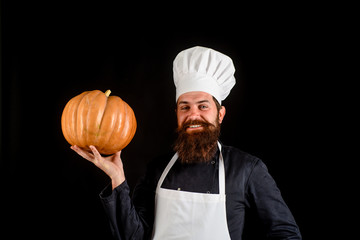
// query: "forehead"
[[193, 97]]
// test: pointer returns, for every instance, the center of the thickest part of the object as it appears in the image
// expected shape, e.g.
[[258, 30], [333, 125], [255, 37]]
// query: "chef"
[[204, 189]]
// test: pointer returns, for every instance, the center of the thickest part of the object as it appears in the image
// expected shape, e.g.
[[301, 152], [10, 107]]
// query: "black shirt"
[[196, 177], [249, 189]]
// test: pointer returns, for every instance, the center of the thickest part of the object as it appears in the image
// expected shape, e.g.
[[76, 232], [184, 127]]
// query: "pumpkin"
[[95, 118]]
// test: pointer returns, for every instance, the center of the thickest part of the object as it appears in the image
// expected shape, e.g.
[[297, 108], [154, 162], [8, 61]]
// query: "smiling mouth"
[[194, 126]]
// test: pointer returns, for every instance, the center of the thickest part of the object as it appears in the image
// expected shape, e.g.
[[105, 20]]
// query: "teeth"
[[194, 126]]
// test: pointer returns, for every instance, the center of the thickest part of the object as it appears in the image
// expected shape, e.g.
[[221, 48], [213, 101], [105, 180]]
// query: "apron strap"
[[221, 172], [167, 169]]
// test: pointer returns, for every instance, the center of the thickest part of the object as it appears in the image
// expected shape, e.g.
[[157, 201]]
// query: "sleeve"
[[128, 217], [271, 209]]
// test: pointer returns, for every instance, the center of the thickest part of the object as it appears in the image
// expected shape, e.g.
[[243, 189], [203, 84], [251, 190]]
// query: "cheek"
[[212, 117], [180, 118]]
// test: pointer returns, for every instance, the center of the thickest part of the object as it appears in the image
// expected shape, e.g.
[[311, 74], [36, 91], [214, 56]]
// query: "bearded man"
[[206, 188]]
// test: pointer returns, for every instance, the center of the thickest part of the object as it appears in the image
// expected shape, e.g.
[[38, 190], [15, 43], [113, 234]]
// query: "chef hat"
[[203, 69]]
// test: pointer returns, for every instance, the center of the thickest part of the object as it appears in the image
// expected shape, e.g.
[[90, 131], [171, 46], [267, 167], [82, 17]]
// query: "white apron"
[[189, 215]]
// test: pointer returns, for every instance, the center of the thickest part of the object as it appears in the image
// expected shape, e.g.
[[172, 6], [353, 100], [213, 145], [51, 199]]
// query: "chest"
[[200, 178], [204, 178]]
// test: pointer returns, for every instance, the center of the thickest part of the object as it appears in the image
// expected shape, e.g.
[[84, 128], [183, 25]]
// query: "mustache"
[[205, 124]]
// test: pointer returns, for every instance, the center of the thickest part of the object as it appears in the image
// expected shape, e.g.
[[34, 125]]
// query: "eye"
[[184, 108], [203, 107]]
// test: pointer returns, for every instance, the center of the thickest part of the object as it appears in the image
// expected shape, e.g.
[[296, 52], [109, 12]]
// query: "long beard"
[[198, 146]]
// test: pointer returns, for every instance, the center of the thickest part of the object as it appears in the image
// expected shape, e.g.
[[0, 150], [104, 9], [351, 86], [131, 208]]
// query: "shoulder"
[[239, 167], [154, 169], [240, 162], [156, 166], [233, 155], [160, 161]]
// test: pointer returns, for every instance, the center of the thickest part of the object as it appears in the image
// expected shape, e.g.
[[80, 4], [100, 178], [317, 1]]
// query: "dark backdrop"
[[54, 50]]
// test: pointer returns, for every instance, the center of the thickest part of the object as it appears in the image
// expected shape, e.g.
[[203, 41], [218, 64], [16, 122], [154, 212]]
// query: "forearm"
[[125, 222]]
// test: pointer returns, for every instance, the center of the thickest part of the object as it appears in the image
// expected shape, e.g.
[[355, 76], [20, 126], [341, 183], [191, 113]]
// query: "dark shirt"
[[249, 189], [199, 177]]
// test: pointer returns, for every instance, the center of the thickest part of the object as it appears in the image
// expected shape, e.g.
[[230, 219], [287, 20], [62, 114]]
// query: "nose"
[[193, 114]]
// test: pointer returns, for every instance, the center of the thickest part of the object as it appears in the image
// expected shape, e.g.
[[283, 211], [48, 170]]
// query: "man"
[[206, 188]]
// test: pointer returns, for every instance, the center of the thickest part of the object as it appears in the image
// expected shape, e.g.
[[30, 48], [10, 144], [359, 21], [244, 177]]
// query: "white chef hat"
[[203, 69]]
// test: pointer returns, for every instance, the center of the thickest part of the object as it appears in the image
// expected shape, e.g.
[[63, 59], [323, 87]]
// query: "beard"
[[197, 146]]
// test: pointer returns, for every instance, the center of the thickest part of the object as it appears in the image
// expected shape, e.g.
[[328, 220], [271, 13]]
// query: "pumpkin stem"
[[107, 93]]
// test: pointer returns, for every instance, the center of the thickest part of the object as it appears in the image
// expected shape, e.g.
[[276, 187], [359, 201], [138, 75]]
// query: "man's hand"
[[111, 165]]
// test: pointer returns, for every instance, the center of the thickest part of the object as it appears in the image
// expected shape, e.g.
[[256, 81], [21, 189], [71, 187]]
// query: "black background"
[[54, 50]]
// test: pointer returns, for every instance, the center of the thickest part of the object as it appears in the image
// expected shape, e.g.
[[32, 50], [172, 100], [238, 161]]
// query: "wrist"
[[116, 181]]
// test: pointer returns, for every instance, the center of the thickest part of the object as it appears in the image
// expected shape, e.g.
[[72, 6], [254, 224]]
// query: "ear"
[[222, 114]]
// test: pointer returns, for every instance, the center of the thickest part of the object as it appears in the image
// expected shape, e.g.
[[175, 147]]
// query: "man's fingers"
[[95, 157], [88, 156], [95, 152], [111, 165], [98, 159]]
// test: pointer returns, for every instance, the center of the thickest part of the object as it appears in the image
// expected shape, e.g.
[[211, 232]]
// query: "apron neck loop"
[[221, 172]]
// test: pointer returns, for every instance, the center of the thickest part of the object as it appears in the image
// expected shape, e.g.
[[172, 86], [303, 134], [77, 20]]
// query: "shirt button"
[[213, 162]]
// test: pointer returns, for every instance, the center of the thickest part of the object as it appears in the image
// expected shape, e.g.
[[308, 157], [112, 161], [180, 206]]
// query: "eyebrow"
[[198, 102]]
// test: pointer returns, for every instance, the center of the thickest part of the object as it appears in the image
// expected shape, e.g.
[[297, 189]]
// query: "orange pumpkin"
[[95, 118]]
